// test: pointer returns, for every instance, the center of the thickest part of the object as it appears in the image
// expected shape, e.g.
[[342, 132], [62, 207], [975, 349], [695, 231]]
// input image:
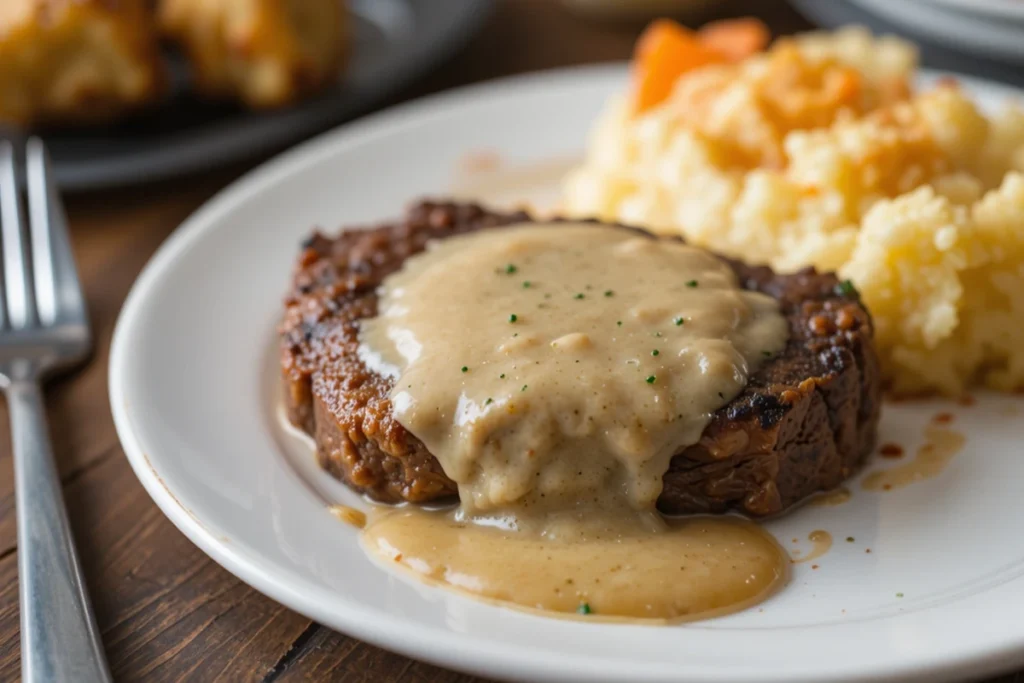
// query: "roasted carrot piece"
[[736, 39], [665, 51]]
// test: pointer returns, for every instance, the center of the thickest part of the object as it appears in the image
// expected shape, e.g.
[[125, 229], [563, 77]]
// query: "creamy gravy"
[[940, 447], [821, 543], [554, 370], [349, 515], [831, 498], [698, 568]]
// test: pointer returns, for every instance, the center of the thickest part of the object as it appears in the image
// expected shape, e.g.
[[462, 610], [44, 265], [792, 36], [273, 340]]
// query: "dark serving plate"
[[394, 42]]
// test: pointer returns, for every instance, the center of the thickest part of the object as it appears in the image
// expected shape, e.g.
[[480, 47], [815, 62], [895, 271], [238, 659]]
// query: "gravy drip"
[[831, 498], [821, 543], [940, 447], [698, 567], [556, 369]]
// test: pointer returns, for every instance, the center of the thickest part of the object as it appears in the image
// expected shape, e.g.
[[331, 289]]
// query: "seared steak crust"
[[803, 424]]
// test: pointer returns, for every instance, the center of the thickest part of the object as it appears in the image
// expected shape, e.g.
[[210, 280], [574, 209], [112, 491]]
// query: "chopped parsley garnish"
[[465, 369], [766, 354], [652, 379], [526, 284], [579, 296], [619, 323], [691, 283], [488, 401], [513, 317], [584, 608], [510, 269], [678, 320], [501, 376], [846, 288], [524, 387], [609, 292], [849, 539], [899, 595], [655, 352]]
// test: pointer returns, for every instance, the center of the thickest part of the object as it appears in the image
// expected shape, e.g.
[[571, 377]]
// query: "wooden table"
[[167, 611]]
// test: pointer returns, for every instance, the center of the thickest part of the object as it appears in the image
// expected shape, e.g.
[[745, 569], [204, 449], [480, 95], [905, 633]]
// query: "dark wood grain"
[[167, 612]]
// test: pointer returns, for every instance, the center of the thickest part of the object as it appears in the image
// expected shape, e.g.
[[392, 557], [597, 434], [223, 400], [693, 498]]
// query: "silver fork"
[[44, 329]]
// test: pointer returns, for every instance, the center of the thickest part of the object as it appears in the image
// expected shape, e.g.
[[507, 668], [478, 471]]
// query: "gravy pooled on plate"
[[554, 370]]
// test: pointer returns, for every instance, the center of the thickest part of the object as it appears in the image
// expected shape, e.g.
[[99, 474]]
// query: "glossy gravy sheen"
[[554, 370], [695, 568], [940, 447]]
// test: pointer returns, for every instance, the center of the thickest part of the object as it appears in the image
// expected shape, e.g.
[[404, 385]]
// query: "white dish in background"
[[976, 33], [1001, 10], [191, 384]]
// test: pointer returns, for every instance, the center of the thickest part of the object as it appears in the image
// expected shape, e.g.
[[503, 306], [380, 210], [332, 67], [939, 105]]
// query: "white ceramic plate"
[[191, 385], [1001, 10], [981, 34]]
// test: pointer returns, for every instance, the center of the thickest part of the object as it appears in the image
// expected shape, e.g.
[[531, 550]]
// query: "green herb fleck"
[[609, 292], [584, 608], [510, 269], [619, 323], [691, 283], [652, 379], [655, 352], [846, 288], [678, 320], [465, 369], [527, 284], [657, 334], [849, 539], [578, 296], [488, 401], [501, 376], [513, 317], [766, 354], [524, 387], [899, 595]]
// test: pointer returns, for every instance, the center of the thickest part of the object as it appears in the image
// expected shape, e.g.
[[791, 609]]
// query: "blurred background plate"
[[979, 33], [962, 44], [1002, 10], [394, 42]]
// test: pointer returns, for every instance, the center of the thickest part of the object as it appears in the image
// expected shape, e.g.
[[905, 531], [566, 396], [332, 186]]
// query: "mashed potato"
[[818, 153]]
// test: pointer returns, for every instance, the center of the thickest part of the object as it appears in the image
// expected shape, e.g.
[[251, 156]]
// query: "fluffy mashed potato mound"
[[818, 153]]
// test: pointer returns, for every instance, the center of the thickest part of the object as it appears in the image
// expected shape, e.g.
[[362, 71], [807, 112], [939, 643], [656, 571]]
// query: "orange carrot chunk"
[[664, 52], [736, 39]]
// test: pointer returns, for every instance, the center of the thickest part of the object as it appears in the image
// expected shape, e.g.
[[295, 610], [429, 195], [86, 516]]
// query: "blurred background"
[[148, 90]]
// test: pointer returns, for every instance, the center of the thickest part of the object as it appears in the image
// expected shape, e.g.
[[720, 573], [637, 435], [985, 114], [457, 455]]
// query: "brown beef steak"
[[803, 424]]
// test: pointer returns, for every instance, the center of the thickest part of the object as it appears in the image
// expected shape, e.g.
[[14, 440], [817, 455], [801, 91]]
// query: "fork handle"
[[59, 637]]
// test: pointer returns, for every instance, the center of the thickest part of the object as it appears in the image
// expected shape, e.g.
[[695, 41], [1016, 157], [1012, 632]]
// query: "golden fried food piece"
[[265, 53], [76, 61]]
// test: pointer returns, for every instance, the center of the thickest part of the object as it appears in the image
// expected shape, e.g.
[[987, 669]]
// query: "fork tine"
[[20, 300], [58, 293]]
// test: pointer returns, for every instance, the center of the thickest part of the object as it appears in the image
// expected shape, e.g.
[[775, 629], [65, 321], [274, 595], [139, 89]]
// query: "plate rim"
[[941, 22], [992, 9], [380, 629]]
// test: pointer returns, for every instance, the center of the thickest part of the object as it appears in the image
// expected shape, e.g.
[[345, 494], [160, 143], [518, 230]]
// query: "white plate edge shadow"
[[481, 656]]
